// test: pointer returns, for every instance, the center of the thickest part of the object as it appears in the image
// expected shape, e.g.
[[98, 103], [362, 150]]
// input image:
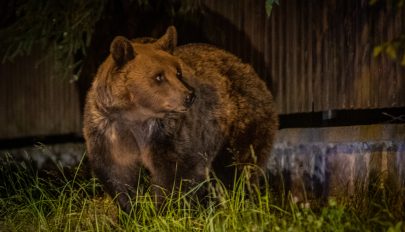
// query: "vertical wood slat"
[[273, 50], [294, 52], [261, 35], [365, 36], [317, 55], [325, 77], [283, 58], [400, 80], [385, 63], [345, 55], [288, 93], [300, 74], [401, 22], [310, 73], [334, 70]]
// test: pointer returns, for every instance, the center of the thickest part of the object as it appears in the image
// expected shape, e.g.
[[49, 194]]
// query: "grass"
[[31, 201]]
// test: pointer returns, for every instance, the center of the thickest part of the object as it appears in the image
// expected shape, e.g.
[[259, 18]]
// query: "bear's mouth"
[[174, 111], [179, 110]]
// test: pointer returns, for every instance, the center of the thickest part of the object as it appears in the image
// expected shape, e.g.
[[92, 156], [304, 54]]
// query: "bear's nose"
[[189, 100]]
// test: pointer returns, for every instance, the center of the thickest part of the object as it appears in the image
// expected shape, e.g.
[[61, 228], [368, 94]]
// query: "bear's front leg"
[[119, 180], [170, 177], [121, 184], [114, 159]]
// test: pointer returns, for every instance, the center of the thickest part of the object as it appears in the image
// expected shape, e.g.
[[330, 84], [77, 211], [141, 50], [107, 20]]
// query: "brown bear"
[[178, 112]]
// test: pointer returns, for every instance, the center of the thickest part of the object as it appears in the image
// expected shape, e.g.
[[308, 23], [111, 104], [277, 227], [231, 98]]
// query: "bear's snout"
[[189, 99]]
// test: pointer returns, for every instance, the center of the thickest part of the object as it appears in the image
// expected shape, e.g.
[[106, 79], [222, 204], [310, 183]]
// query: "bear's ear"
[[168, 41], [121, 50]]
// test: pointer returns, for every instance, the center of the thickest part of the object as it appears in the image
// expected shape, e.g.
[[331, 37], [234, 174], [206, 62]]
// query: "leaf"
[[269, 6], [372, 2], [377, 50], [391, 51], [396, 228]]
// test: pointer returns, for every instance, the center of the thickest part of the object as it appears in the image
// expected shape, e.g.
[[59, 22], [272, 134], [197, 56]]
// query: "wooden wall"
[[35, 102], [315, 54]]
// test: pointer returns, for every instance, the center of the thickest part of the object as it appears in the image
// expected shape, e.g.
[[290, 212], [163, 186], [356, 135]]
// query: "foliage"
[[31, 203], [395, 48], [63, 28], [399, 3], [392, 49], [269, 6]]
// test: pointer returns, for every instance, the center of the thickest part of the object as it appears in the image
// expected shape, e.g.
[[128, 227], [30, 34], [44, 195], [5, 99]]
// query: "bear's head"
[[149, 78]]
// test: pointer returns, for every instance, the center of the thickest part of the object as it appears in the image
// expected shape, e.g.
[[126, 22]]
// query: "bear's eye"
[[159, 78], [178, 74]]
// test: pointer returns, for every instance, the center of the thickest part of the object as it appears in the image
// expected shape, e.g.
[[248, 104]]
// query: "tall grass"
[[31, 201]]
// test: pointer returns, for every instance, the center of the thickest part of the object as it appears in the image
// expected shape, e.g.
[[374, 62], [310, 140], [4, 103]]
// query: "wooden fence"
[[35, 102], [316, 55]]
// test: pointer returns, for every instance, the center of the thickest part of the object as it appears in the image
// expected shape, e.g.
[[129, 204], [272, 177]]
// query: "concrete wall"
[[312, 162], [317, 162]]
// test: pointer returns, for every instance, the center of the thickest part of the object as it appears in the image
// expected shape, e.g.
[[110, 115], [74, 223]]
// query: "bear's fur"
[[179, 112]]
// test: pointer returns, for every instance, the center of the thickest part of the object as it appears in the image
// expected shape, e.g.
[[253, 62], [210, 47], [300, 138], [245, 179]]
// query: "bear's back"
[[217, 66]]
